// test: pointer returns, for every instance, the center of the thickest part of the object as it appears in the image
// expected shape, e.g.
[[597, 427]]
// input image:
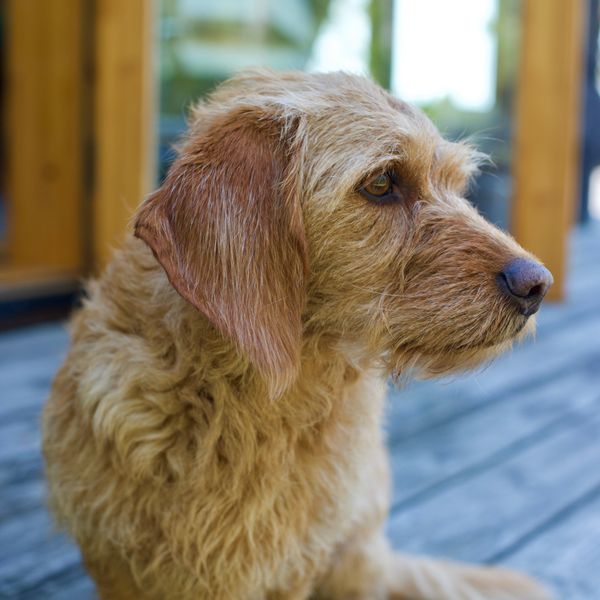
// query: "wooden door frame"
[[547, 134], [125, 118], [43, 122], [79, 122]]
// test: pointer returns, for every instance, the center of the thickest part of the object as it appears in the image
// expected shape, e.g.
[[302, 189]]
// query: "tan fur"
[[214, 432]]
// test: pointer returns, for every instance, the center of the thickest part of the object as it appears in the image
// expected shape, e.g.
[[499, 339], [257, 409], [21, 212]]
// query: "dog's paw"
[[426, 579], [501, 584]]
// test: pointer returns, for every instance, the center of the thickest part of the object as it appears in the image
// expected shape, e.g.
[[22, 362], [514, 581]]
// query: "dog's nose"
[[525, 282]]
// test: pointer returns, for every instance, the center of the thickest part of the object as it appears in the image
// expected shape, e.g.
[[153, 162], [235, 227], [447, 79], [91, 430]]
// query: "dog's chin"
[[426, 363]]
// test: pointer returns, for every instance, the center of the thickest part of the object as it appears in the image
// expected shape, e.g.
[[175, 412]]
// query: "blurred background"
[[95, 93]]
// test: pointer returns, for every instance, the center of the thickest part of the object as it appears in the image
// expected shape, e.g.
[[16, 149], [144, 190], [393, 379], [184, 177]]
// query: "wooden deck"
[[502, 466]]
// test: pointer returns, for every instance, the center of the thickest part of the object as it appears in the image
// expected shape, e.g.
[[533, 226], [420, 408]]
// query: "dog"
[[215, 430]]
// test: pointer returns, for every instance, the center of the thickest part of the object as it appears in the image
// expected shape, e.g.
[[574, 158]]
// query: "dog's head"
[[303, 204]]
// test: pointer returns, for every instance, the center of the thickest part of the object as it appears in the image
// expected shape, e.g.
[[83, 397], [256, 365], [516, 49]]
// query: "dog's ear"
[[227, 228]]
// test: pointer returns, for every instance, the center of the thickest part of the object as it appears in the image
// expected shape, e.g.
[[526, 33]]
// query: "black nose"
[[525, 282]]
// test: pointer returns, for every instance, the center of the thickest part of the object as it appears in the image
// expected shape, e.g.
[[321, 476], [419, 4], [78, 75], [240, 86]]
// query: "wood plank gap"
[[69, 572], [493, 460], [503, 395], [550, 522]]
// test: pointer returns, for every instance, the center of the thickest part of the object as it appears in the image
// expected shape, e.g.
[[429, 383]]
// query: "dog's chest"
[[257, 480], [334, 483]]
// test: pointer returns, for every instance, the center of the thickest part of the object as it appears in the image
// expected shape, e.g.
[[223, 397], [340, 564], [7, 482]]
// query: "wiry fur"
[[215, 429]]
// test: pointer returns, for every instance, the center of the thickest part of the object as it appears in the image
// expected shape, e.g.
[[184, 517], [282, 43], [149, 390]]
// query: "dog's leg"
[[373, 572], [301, 592], [428, 579], [360, 572]]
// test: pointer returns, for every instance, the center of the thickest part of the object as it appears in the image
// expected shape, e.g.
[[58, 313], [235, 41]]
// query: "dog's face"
[[319, 204]]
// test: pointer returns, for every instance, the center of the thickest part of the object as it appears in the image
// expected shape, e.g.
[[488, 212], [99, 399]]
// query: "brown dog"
[[215, 430]]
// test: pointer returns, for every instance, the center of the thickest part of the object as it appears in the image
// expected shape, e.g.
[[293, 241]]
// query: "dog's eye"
[[380, 188]]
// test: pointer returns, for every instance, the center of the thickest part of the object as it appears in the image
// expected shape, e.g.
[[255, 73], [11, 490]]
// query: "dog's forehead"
[[355, 126], [357, 114], [340, 96], [351, 124], [352, 99]]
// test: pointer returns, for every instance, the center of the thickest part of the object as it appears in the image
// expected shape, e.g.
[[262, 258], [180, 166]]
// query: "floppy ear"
[[227, 228]]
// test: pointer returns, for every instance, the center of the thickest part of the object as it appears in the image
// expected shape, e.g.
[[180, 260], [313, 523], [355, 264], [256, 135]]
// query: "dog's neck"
[[325, 372], [212, 364]]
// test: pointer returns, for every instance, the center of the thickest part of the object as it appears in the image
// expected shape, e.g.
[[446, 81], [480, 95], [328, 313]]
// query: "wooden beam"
[[44, 114], [547, 130], [124, 117]]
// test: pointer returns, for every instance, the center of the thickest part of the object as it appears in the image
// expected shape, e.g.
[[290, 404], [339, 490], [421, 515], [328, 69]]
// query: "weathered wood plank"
[[567, 554], [33, 372], [488, 512], [18, 438], [35, 561], [19, 497], [19, 471], [24, 405], [21, 534], [70, 583], [448, 455], [32, 375], [24, 397], [427, 405]]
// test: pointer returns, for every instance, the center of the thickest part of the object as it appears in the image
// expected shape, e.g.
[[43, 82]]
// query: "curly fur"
[[215, 429]]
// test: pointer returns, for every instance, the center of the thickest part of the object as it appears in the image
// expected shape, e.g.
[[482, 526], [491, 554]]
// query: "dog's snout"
[[526, 282]]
